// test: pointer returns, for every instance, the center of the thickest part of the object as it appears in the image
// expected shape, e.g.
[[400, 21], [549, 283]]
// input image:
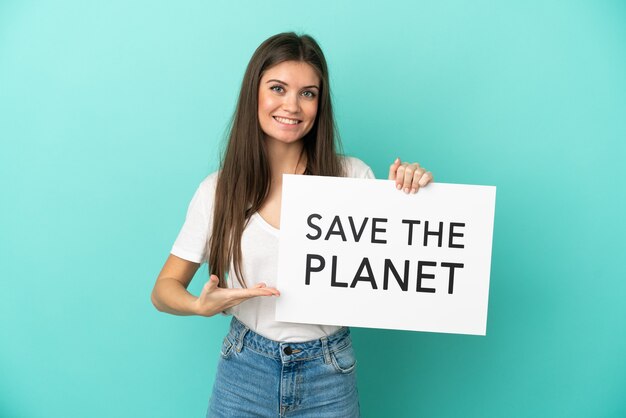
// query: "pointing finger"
[[254, 292]]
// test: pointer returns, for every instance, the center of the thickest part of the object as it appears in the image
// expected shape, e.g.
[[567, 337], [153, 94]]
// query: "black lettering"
[[317, 228], [411, 223], [357, 235], [333, 275], [404, 284], [438, 234], [336, 223], [453, 234], [375, 230], [421, 275], [451, 266], [310, 268], [365, 264]]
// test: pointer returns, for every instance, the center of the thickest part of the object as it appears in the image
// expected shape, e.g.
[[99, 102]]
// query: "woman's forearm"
[[170, 296]]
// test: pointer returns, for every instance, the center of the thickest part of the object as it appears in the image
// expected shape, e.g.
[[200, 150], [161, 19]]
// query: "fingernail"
[[413, 191], [406, 190], [397, 160], [398, 186]]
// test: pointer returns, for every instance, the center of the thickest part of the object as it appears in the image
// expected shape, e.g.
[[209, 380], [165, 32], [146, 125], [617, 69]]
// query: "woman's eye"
[[277, 88], [308, 93]]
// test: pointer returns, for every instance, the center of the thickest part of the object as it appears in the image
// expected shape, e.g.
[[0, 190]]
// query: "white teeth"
[[287, 121]]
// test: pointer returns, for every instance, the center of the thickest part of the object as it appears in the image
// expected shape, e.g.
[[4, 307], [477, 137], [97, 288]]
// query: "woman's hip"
[[258, 376]]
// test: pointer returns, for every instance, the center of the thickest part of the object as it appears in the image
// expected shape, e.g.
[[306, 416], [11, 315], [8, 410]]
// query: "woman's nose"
[[291, 103]]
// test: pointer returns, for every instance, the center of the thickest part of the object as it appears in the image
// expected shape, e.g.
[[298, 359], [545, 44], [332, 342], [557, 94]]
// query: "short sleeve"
[[191, 243], [355, 168]]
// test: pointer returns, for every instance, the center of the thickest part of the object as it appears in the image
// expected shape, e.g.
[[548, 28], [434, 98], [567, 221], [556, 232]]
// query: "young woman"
[[283, 124]]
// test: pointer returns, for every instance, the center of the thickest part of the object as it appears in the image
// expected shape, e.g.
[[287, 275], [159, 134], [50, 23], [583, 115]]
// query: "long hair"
[[244, 179]]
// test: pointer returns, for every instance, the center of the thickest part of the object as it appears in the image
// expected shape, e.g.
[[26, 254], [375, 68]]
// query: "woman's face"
[[288, 98]]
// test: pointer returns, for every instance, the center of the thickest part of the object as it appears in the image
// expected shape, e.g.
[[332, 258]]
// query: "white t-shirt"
[[259, 247]]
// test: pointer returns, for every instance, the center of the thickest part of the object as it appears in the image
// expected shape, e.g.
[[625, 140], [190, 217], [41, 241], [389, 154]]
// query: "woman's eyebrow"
[[282, 82]]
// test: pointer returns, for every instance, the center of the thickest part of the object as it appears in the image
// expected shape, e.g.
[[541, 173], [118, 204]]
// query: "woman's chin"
[[284, 139]]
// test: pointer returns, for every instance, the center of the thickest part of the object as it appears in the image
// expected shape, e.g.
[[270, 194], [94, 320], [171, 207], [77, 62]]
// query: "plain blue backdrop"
[[111, 113]]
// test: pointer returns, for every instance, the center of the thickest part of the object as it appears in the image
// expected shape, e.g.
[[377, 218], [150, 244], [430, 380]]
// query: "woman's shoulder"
[[205, 192], [356, 168], [210, 181]]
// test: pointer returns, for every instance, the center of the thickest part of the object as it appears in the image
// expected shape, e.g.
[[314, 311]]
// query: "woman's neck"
[[285, 158]]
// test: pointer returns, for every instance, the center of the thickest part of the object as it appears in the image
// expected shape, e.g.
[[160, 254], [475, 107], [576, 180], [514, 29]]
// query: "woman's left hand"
[[409, 177]]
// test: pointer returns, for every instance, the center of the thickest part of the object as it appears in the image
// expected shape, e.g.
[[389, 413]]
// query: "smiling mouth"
[[286, 121]]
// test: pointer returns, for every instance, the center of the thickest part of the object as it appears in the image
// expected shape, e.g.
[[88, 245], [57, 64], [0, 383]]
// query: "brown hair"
[[244, 179]]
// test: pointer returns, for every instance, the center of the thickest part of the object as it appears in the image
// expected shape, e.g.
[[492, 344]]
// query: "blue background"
[[111, 113]]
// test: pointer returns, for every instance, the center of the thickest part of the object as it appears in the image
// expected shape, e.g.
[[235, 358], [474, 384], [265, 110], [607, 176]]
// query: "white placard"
[[360, 253]]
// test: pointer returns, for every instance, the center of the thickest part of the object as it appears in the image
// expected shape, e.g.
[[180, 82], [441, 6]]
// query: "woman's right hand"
[[214, 299], [170, 291]]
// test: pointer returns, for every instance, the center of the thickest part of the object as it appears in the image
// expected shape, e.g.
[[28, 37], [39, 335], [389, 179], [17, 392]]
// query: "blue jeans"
[[258, 377]]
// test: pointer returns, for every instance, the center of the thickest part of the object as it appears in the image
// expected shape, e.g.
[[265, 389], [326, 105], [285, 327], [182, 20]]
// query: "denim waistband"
[[241, 336]]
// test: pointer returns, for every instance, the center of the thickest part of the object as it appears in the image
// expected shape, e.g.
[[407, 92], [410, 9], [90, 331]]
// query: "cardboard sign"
[[360, 253]]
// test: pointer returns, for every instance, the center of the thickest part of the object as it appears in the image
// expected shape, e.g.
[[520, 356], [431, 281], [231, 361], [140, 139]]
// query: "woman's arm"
[[170, 291]]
